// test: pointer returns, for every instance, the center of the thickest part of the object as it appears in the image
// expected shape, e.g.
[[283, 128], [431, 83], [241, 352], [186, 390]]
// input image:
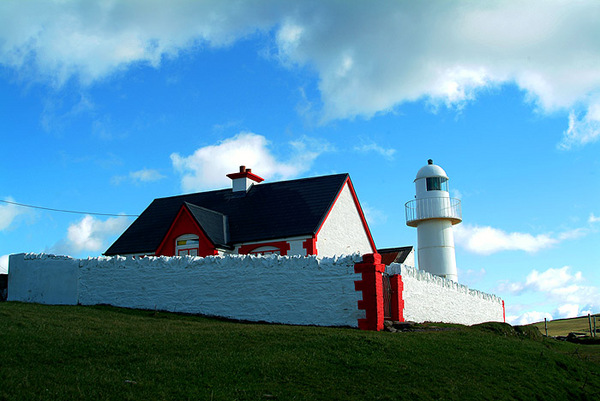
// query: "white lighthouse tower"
[[434, 213]]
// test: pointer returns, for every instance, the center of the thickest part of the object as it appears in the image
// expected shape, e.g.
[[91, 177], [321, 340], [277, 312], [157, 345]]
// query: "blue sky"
[[106, 106]]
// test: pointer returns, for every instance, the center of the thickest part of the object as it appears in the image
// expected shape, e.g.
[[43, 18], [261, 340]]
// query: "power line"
[[68, 211]]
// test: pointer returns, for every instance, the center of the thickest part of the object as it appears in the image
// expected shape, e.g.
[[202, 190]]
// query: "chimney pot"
[[243, 180]]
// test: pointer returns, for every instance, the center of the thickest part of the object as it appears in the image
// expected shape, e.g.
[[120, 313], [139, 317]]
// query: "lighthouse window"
[[437, 184]]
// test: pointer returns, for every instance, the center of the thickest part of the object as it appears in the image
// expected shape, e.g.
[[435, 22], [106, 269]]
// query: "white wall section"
[[343, 232], [279, 289], [435, 299], [270, 288], [42, 278], [293, 290]]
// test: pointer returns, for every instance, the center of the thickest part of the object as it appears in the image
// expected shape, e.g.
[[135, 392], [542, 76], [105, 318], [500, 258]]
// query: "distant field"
[[562, 327], [105, 353]]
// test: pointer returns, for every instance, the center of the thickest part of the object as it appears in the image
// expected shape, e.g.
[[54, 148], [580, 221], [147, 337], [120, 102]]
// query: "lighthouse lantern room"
[[434, 213]]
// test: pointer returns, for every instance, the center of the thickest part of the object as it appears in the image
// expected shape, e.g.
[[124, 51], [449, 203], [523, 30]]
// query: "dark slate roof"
[[394, 255], [214, 224], [267, 211]]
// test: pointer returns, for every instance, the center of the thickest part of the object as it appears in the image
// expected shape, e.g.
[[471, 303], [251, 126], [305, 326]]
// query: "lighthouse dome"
[[431, 170]]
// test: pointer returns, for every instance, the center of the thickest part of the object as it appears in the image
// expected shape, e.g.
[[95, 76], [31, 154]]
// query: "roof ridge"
[[304, 179], [188, 204], [395, 249], [194, 193], [263, 184]]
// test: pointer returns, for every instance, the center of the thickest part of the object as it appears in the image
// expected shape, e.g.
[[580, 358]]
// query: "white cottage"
[[311, 216]]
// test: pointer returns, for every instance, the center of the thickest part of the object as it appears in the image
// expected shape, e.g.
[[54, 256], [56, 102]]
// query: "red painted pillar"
[[371, 286], [503, 312], [397, 304]]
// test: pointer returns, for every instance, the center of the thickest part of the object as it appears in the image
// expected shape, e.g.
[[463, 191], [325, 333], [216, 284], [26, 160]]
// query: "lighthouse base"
[[436, 253]]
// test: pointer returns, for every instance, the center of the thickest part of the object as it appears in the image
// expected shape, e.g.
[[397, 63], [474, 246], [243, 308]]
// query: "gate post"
[[371, 286], [397, 304]]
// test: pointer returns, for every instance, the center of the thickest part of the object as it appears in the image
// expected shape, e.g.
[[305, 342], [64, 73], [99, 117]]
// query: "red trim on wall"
[[358, 208], [503, 312], [331, 207], [371, 286], [362, 215], [310, 245], [185, 223], [283, 246], [397, 304]]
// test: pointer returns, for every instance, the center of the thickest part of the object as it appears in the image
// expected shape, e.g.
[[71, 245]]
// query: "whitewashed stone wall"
[[278, 289], [292, 290], [44, 279], [436, 299]]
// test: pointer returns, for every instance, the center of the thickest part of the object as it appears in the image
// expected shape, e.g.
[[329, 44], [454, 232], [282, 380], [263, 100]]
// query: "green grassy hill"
[[73, 352], [562, 327]]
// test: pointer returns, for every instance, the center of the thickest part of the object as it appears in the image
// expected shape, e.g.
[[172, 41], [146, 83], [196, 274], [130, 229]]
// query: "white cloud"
[[4, 264], [208, 166], [146, 175], [567, 311], [471, 277], [555, 281], [140, 176], [511, 287], [566, 292], [388, 153], [528, 317], [91, 40], [583, 130], [369, 56], [564, 311], [374, 216], [487, 240], [562, 286], [372, 56], [9, 212], [90, 234], [593, 219]]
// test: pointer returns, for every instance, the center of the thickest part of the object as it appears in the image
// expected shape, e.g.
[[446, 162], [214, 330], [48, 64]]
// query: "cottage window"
[[266, 250], [188, 244]]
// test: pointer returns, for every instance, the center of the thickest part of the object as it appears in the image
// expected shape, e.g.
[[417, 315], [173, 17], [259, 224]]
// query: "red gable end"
[[183, 224]]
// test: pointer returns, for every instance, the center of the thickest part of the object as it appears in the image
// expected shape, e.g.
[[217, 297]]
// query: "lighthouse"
[[434, 213]]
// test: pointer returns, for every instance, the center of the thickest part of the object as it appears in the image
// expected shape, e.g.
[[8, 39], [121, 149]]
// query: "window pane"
[[437, 184], [433, 183]]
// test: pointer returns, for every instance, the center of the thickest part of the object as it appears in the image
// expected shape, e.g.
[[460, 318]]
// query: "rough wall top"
[[221, 260], [420, 275]]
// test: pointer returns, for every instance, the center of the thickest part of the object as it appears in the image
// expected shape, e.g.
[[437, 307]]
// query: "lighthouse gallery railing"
[[433, 208]]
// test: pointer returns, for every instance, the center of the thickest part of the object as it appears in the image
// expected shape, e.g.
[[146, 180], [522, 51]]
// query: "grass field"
[[562, 327], [105, 353]]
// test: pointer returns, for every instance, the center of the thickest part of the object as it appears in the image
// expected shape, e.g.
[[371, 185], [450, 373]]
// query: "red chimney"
[[243, 180]]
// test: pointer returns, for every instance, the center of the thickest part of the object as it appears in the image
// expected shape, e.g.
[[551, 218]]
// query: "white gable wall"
[[410, 258], [343, 232]]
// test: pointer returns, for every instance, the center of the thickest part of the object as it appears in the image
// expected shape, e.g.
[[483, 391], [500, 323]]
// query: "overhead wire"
[[68, 211]]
